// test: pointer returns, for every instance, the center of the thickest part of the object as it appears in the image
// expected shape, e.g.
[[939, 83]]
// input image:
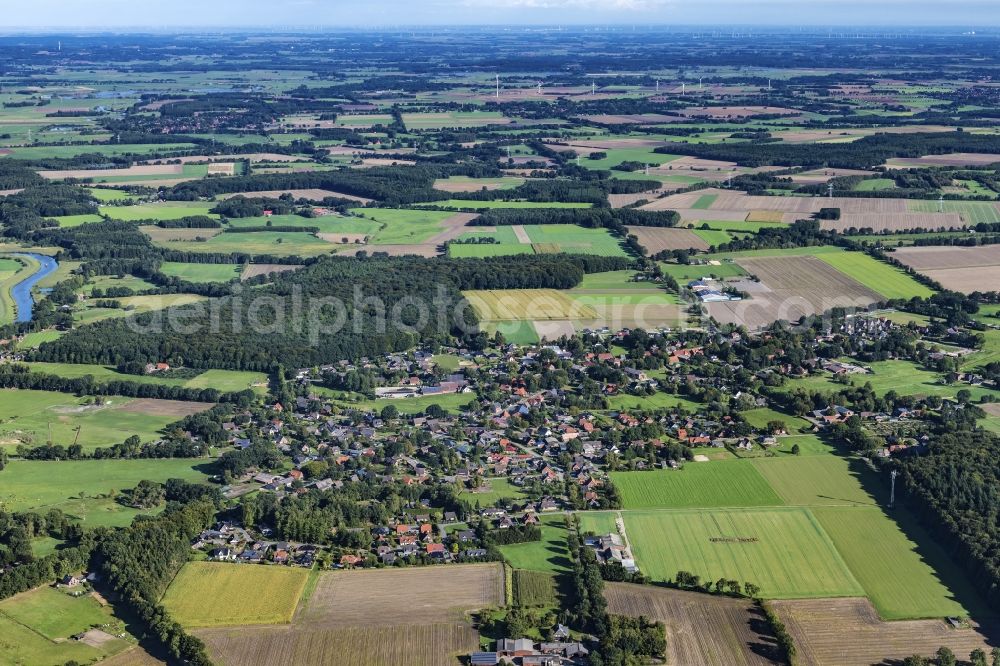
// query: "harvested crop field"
[[414, 645], [157, 407], [253, 270], [432, 594], [701, 629], [789, 288], [765, 216], [941, 258], [894, 222], [371, 618], [963, 269], [658, 239], [819, 627]]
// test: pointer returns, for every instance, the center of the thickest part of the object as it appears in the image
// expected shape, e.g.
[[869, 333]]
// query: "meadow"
[[83, 489], [165, 210], [221, 380], [212, 594], [201, 272], [904, 580], [499, 489], [37, 627], [816, 480], [474, 204], [715, 484], [549, 554], [903, 377], [887, 280], [34, 417], [782, 550]]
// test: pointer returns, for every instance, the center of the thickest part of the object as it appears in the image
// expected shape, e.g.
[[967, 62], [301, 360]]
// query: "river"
[[21, 292]]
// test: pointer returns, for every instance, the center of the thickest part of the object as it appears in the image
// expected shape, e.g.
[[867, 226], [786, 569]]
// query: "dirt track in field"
[[849, 632], [701, 629]]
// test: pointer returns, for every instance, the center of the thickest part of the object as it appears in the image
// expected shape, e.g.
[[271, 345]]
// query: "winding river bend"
[[21, 292]]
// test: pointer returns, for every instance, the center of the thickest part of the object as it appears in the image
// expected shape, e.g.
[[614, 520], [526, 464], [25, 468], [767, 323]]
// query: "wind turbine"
[[941, 204], [593, 87], [892, 491], [498, 86], [829, 188]]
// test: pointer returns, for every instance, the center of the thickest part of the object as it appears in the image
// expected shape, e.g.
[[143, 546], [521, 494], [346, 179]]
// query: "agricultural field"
[[36, 417], [972, 212], [475, 204], [782, 550], [701, 628], [37, 627], [819, 627], [658, 239], [226, 381], [903, 377], [210, 594], [964, 269], [467, 184], [526, 304], [902, 570], [535, 588], [550, 554], [84, 489], [716, 484], [789, 288], [450, 402], [201, 272], [275, 243], [880, 277], [815, 480], [165, 210]]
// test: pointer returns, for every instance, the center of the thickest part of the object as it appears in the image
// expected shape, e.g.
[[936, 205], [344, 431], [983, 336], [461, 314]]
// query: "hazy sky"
[[96, 13]]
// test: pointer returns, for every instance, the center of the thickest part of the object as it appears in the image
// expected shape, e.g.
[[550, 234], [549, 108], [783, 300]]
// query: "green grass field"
[[716, 484], [887, 280], [759, 418], [166, 210], [685, 273], [659, 400], [201, 272], [37, 627], [499, 489], [783, 550], [473, 204], [283, 244], [81, 488], [816, 480], [451, 402], [902, 579], [404, 226], [903, 377], [32, 417], [972, 212], [222, 380], [211, 594], [571, 238], [549, 554], [875, 185]]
